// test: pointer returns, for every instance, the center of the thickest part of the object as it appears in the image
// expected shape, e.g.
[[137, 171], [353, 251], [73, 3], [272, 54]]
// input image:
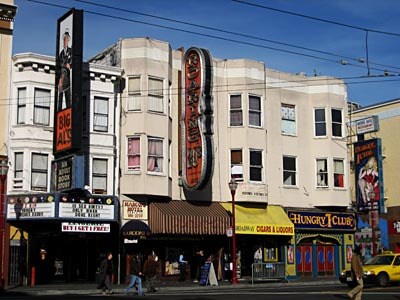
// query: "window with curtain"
[[99, 176], [336, 122], [155, 155], [156, 95], [254, 111], [134, 95], [237, 164], [255, 165], [41, 114], [289, 171], [288, 119], [338, 172], [21, 106], [134, 153], [100, 117], [39, 172], [320, 122], [236, 112], [19, 165], [322, 172]]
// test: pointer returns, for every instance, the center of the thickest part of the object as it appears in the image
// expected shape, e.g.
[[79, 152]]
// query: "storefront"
[[322, 244], [68, 236], [260, 226]]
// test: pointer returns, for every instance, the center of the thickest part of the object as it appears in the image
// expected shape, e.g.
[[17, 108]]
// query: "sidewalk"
[[165, 287]]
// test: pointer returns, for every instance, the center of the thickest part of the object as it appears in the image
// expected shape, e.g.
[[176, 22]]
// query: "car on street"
[[380, 270]]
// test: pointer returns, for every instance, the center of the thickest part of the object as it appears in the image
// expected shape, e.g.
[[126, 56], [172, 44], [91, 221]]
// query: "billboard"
[[197, 119], [369, 175], [68, 102]]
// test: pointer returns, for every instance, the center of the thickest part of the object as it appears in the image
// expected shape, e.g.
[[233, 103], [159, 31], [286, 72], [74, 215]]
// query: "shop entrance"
[[304, 260], [325, 260]]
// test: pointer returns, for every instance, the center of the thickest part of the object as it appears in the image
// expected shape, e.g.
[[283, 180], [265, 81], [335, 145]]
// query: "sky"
[[35, 31]]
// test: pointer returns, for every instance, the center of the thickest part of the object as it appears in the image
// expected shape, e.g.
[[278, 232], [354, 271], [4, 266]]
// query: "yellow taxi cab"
[[380, 270]]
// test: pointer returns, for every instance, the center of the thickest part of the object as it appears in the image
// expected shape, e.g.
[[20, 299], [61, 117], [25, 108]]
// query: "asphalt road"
[[332, 292]]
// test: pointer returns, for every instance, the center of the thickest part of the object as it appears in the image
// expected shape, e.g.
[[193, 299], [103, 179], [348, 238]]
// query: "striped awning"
[[182, 217]]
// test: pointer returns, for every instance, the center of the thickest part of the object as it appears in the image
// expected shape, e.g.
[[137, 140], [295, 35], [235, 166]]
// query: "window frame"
[[129, 170], [261, 167], [155, 155], [41, 106], [232, 164], [19, 106], [334, 173], [252, 110], [289, 120], [336, 123], [295, 172], [99, 175], [135, 94], [318, 173], [315, 122], [101, 114], [235, 109], [40, 171], [155, 95]]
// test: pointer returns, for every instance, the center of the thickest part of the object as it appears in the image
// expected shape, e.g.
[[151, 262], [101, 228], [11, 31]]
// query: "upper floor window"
[[289, 170], [320, 122], [42, 107], [169, 159], [288, 119], [99, 176], [254, 111], [255, 165], [155, 155], [21, 106], [134, 96], [100, 118], [169, 99], [322, 172], [237, 164], [338, 172], [19, 165], [336, 122], [39, 172], [156, 95], [235, 113], [134, 153]]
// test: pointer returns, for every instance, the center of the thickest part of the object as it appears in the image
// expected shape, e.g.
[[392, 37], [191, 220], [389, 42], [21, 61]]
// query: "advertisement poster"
[[290, 254], [349, 253]]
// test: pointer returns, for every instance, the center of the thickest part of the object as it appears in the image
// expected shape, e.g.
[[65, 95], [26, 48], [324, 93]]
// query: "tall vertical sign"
[[68, 108], [197, 119], [369, 175]]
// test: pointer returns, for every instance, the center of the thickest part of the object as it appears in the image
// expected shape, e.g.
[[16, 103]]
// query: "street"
[[256, 293]]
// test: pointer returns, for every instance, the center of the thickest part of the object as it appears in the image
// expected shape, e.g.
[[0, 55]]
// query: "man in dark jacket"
[[106, 271], [150, 272], [135, 273], [357, 271]]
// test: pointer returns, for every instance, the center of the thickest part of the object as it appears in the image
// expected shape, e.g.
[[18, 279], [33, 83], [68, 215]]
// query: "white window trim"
[[262, 166], [296, 186], [18, 182], [230, 164], [229, 111], [127, 170], [341, 127], [48, 173], [164, 96], [314, 127], [261, 111], [295, 120], [109, 113], [51, 107], [316, 173], [162, 173], [107, 174], [140, 94], [344, 174]]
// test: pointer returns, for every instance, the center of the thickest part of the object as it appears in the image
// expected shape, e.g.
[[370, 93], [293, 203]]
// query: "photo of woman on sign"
[[368, 182]]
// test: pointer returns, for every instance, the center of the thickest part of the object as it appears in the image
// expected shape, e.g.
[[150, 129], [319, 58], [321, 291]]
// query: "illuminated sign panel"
[[197, 119], [323, 220]]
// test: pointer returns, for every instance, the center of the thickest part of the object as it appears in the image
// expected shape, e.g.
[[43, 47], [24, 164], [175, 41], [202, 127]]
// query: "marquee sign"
[[323, 220], [31, 207], [85, 227], [197, 119]]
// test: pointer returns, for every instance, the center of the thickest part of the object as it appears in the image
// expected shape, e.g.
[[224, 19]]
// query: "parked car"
[[379, 270]]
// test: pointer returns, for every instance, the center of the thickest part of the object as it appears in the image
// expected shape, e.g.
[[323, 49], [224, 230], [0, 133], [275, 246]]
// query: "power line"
[[230, 32], [316, 18], [210, 36]]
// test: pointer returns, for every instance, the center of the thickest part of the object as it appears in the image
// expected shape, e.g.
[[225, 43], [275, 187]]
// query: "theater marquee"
[[197, 119]]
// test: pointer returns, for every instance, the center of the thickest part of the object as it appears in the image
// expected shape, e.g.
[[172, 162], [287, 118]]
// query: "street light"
[[3, 190], [233, 186]]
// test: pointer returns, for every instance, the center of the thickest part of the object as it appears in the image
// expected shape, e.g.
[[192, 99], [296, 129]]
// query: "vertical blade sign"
[[197, 119]]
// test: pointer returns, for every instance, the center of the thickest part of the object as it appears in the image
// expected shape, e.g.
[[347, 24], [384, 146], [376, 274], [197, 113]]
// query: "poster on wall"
[[290, 254], [369, 175], [349, 253]]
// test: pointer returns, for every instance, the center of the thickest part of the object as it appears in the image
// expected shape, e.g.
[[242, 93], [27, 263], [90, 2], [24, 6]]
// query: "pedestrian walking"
[[150, 273], [106, 271], [182, 267], [357, 273], [134, 273]]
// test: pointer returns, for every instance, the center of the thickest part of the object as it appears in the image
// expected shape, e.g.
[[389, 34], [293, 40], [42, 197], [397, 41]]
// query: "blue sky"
[[35, 31]]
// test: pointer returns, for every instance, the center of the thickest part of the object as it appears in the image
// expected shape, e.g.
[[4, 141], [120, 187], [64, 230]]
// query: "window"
[[255, 165], [336, 122], [322, 172], [236, 113], [134, 153], [19, 165], [169, 99], [21, 106], [100, 120], [169, 159], [288, 119], [155, 155], [289, 170], [99, 176], [134, 96], [42, 107], [254, 111], [39, 172], [338, 172], [156, 95], [320, 123], [237, 165]]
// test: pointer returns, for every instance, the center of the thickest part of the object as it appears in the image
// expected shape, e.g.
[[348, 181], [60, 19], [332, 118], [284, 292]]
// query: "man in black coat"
[[64, 82], [106, 271]]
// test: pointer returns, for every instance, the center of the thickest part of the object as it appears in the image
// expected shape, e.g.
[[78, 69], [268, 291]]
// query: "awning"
[[271, 220], [135, 229], [182, 217]]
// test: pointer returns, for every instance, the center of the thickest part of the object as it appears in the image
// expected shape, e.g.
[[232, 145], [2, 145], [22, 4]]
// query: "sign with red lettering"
[[197, 119], [63, 129], [133, 210], [85, 227]]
